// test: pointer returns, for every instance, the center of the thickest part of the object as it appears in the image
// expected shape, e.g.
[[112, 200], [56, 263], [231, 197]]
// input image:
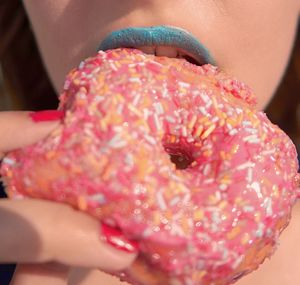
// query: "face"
[[251, 40]]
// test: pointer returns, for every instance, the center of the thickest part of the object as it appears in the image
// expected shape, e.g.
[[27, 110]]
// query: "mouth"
[[166, 41]]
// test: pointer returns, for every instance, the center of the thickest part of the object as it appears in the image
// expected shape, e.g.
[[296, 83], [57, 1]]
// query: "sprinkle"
[[268, 206], [245, 165], [156, 121], [82, 203], [183, 131], [251, 139], [260, 231], [248, 209], [117, 142], [233, 132], [161, 201], [249, 176], [158, 108], [136, 99], [8, 161], [203, 111], [256, 187], [198, 131], [150, 139], [134, 110], [207, 169], [192, 122], [170, 119], [98, 198], [207, 132], [175, 201]]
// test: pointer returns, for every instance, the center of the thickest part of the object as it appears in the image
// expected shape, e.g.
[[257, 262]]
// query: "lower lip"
[[158, 36]]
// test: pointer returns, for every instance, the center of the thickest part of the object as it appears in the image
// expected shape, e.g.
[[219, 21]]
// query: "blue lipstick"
[[158, 36]]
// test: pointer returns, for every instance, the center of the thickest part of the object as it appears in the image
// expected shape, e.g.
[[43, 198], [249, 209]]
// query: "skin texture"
[[241, 35]]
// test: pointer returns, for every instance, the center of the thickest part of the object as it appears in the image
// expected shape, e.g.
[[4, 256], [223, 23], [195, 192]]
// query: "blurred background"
[[24, 84]]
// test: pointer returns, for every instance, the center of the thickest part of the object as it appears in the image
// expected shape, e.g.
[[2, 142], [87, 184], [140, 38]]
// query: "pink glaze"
[[126, 113]]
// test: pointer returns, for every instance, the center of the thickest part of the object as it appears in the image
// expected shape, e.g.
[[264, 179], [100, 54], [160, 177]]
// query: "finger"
[[85, 276], [37, 274], [40, 231], [20, 128]]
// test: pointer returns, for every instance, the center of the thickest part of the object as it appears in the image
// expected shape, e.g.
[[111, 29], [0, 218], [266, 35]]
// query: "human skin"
[[251, 40]]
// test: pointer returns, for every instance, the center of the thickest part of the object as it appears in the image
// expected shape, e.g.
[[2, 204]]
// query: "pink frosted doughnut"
[[130, 119]]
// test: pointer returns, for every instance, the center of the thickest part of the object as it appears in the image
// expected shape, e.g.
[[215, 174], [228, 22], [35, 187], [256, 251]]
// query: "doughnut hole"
[[180, 157]]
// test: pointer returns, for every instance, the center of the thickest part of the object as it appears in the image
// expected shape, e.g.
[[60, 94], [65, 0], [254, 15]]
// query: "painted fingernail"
[[115, 237], [46, 115]]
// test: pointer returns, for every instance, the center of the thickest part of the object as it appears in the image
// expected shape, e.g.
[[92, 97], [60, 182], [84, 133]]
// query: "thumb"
[[36, 231], [21, 128]]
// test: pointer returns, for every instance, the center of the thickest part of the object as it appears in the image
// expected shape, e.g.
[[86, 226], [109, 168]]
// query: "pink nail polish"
[[115, 237], [46, 115]]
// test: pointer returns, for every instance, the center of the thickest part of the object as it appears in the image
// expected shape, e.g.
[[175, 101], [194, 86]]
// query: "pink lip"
[[115, 237]]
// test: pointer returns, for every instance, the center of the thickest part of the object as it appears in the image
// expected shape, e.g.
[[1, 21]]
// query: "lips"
[[160, 41]]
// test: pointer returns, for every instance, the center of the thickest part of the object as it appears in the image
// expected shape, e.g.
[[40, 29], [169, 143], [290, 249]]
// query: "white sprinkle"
[[237, 262], [229, 126], [208, 104], [251, 138], [113, 66], [248, 209], [260, 231], [129, 159], [268, 206], [134, 79], [223, 187], [186, 198], [150, 139], [161, 201], [176, 230], [251, 130], [146, 113], [175, 201], [207, 169], [208, 181], [81, 65], [136, 99], [246, 123], [170, 119], [256, 187], [202, 110], [158, 108], [147, 232], [157, 122], [98, 98], [117, 142], [204, 97], [184, 84], [67, 84], [233, 132], [215, 119], [268, 152], [190, 139], [249, 174], [8, 161], [184, 131], [120, 109], [245, 165], [98, 198]]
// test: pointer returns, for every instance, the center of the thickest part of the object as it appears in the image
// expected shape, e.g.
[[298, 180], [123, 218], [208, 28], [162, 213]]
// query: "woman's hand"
[[53, 235]]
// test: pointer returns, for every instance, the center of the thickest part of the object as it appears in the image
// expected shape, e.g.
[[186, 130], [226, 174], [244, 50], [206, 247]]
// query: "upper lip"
[[137, 37]]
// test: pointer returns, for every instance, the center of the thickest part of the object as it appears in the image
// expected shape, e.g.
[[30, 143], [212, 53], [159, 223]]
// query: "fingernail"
[[46, 115], [115, 237]]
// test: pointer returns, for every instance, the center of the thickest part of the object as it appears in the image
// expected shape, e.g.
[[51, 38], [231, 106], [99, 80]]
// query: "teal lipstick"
[[135, 37]]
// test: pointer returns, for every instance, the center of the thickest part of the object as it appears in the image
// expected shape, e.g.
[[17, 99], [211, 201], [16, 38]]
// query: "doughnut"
[[174, 155]]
